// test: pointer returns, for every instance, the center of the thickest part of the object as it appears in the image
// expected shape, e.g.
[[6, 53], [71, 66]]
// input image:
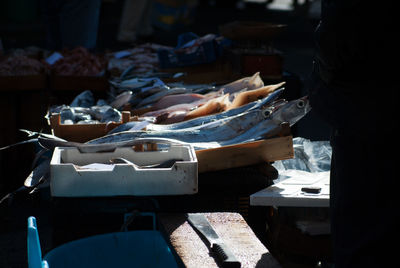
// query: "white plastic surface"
[[68, 179], [309, 168], [288, 193]]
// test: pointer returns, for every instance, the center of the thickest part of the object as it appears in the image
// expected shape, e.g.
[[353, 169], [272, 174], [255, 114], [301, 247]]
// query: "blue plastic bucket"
[[146, 248]]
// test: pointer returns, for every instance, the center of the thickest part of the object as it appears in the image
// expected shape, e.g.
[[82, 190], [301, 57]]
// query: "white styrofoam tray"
[[69, 180]]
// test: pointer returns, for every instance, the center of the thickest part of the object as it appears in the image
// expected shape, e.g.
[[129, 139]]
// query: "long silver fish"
[[247, 126], [210, 118], [218, 130], [203, 119], [290, 112]]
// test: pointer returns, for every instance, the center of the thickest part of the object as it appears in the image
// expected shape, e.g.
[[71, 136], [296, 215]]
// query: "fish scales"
[[199, 120], [213, 131], [214, 117], [262, 123], [196, 122], [248, 126], [289, 112]]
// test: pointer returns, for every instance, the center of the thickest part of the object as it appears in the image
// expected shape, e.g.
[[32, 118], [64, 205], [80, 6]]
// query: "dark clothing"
[[71, 23], [356, 47], [353, 88], [363, 203]]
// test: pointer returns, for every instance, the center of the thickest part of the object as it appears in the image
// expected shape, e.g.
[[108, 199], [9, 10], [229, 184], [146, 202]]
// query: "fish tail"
[[18, 143], [10, 195]]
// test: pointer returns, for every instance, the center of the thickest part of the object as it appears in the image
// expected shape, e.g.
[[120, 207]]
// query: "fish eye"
[[267, 113], [300, 104]]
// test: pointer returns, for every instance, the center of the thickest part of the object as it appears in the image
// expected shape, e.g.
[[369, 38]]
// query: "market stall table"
[[231, 228], [295, 192], [299, 215]]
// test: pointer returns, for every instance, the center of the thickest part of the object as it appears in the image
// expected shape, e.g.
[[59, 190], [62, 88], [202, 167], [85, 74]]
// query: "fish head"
[[292, 111]]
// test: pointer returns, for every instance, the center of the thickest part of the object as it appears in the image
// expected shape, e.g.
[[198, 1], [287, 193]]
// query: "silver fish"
[[120, 160], [290, 112], [34, 138], [165, 164], [139, 125], [49, 143], [121, 99], [157, 96], [210, 118], [84, 99], [111, 115], [293, 111], [105, 113], [200, 120], [223, 129], [126, 72], [251, 125], [131, 84]]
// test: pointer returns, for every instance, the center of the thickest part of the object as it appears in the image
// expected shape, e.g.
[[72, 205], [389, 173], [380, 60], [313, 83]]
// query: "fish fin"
[[29, 132], [252, 95], [210, 107], [276, 86], [255, 81]]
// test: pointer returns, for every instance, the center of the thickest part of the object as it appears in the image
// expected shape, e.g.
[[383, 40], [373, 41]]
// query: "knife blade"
[[222, 252]]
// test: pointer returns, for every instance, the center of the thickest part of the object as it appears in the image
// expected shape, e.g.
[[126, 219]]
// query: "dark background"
[[21, 26]]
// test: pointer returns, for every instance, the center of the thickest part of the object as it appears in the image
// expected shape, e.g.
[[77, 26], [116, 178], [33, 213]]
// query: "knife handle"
[[225, 256]]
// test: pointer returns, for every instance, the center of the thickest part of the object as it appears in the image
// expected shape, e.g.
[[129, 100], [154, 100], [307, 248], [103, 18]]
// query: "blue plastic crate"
[[205, 53], [145, 248]]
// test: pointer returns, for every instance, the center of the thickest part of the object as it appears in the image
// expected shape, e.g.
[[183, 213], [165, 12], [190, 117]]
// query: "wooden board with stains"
[[232, 229]]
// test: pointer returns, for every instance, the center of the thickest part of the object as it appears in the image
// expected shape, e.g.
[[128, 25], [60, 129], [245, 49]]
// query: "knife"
[[222, 252]]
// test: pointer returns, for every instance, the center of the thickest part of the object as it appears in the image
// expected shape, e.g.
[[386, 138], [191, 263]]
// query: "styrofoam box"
[[68, 180]]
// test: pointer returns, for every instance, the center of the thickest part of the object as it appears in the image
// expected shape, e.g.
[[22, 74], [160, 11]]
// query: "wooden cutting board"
[[232, 229]]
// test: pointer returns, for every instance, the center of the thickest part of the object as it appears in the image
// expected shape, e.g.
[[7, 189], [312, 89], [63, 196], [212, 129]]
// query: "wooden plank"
[[232, 229], [245, 154]]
